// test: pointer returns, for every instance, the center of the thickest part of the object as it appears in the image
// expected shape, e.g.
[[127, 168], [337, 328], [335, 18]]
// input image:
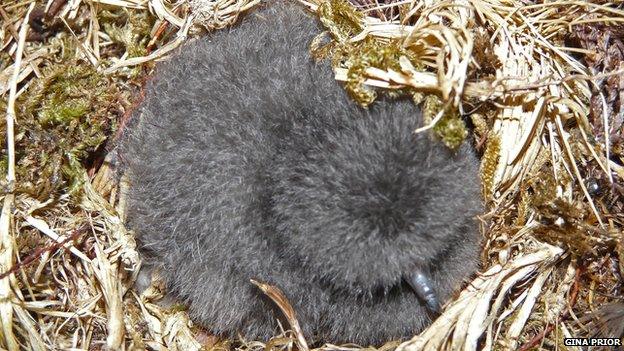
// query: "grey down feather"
[[248, 160]]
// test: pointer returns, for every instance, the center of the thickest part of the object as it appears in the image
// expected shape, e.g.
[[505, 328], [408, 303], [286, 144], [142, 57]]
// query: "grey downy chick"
[[248, 161], [605, 322]]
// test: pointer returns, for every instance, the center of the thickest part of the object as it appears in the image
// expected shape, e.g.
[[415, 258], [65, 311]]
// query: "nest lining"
[[541, 84]]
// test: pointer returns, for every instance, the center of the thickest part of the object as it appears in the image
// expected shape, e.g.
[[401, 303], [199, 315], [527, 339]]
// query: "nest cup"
[[541, 83]]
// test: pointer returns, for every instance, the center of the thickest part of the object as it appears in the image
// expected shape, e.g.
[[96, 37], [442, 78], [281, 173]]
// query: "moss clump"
[[5, 60], [567, 222], [450, 128], [130, 31], [64, 117], [63, 113], [488, 165], [343, 21], [372, 53]]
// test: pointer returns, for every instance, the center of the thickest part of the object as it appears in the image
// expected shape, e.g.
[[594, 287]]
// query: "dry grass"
[[542, 84]]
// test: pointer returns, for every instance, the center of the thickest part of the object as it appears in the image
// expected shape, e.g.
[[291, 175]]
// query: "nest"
[[540, 85]]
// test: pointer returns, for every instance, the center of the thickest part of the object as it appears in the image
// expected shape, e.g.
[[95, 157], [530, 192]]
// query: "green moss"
[[130, 30], [370, 53], [69, 110], [67, 46], [450, 128], [489, 162], [343, 21], [5, 60], [64, 117], [72, 170], [63, 113], [4, 164]]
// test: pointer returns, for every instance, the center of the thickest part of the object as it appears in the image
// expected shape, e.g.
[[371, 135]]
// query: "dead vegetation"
[[540, 84]]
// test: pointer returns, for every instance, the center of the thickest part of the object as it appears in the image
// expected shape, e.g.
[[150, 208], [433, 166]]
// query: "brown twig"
[[40, 251], [125, 119], [275, 294], [481, 142], [537, 338], [161, 29], [7, 19], [54, 8]]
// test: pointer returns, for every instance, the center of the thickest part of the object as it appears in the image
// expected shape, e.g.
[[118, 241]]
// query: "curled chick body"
[[249, 161]]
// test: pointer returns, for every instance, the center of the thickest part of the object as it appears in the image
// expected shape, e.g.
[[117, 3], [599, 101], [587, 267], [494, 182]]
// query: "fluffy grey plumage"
[[605, 322], [250, 161]]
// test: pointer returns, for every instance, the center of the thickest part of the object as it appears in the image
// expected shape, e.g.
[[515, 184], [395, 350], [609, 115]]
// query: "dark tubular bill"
[[423, 288]]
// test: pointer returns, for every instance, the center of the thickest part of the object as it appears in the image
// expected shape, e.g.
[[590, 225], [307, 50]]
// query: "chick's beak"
[[421, 283]]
